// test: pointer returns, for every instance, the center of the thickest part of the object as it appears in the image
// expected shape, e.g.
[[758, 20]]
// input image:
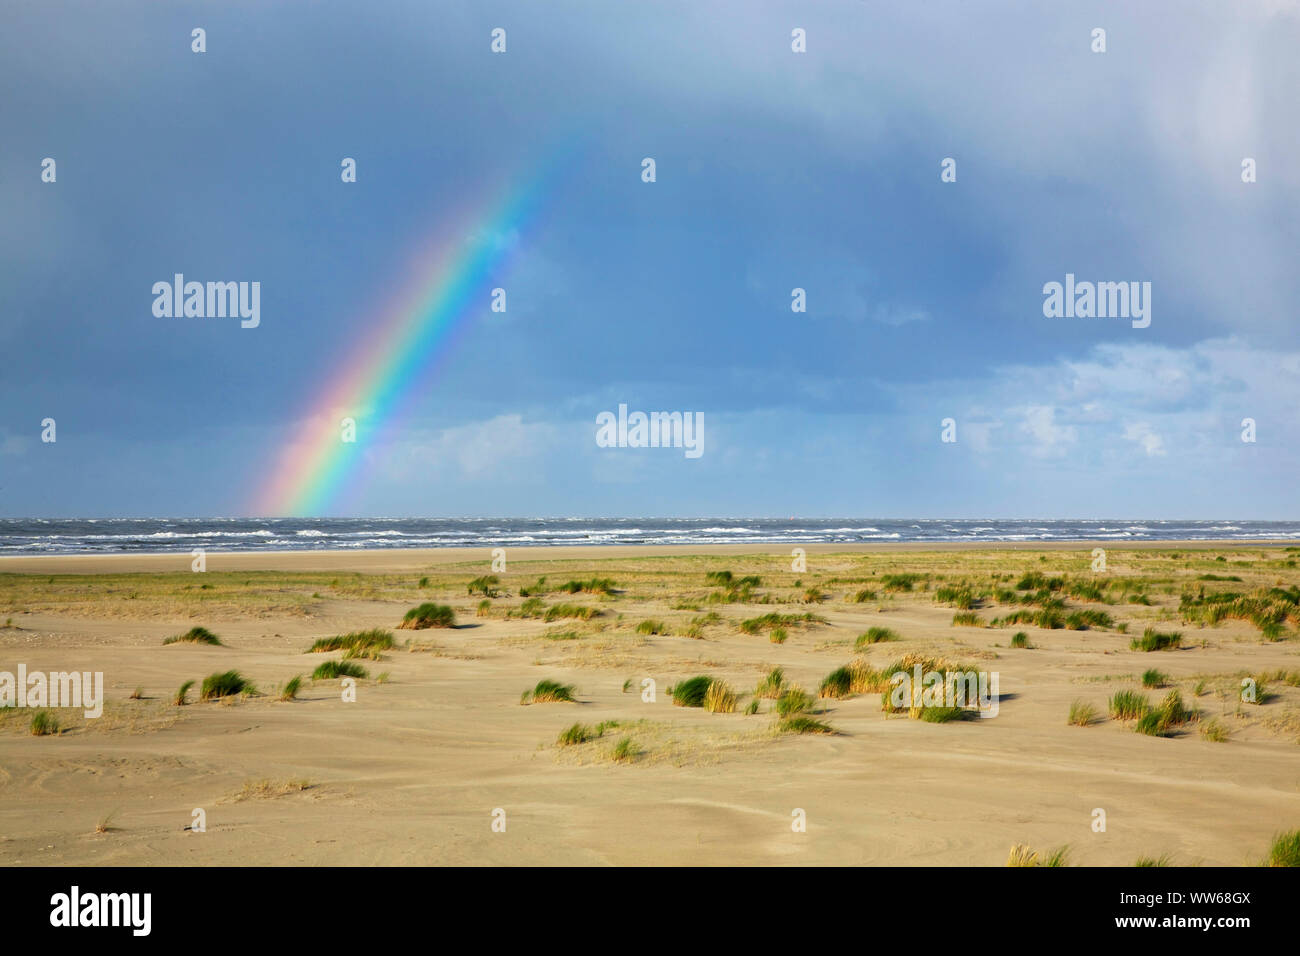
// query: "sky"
[[774, 170]]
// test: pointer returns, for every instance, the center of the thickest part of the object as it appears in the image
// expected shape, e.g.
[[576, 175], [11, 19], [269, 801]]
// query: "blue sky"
[[775, 170]]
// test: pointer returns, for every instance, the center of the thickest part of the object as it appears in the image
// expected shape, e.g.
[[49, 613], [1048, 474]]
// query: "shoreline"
[[400, 559]]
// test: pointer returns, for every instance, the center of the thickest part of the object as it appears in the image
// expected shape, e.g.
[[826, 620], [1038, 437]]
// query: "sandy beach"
[[437, 746]]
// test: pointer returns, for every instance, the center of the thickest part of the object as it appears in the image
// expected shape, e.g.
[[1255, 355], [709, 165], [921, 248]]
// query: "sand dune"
[[412, 771]]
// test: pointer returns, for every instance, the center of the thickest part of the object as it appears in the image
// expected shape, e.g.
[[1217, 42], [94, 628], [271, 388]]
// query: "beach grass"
[[875, 635], [290, 689], [548, 692], [719, 698], [224, 684], [691, 692], [332, 670], [428, 615], [1285, 850], [356, 643], [195, 635], [43, 724], [1128, 705], [1153, 640], [1082, 714]]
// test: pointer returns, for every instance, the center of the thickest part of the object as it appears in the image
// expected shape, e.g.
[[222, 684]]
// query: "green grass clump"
[[1153, 640], [804, 725], [179, 699], [1020, 639], [957, 596], [718, 578], [864, 595], [756, 625], [1173, 708], [224, 684], [533, 607], [1037, 581], [1268, 609], [651, 627], [428, 615], [1082, 714], [577, 734], [44, 724], [778, 635], [771, 684], [485, 585], [195, 635], [793, 700], [624, 751], [1049, 618], [290, 689], [332, 670], [1164, 720], [941, 715], [558, 612], [691, 692], [1082, 620], [537, 588], [590, 586], [836, 684], [1163, 860], [1153, 678], [1285, 850], [1153, 724], [967, 619], [548, 692], [356, 644], [875, 635], [1128, 705], [900, 582], [1087, 591]]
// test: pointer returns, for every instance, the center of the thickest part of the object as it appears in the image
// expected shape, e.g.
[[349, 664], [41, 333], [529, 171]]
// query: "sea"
[[29, 536]]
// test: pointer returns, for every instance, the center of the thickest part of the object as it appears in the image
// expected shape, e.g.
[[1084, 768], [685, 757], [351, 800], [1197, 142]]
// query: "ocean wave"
[[180, 535]]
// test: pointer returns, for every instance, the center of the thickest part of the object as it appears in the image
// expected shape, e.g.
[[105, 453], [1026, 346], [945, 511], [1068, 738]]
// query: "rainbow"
[[401, 344]]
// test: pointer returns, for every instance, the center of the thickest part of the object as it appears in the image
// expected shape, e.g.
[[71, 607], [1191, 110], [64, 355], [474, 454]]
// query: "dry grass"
[[268, 789], [719, 698]]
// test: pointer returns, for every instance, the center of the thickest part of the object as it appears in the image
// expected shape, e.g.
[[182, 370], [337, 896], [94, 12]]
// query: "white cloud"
[[1049, 439], [1145, 436], [1168, 401], [474, 450]]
